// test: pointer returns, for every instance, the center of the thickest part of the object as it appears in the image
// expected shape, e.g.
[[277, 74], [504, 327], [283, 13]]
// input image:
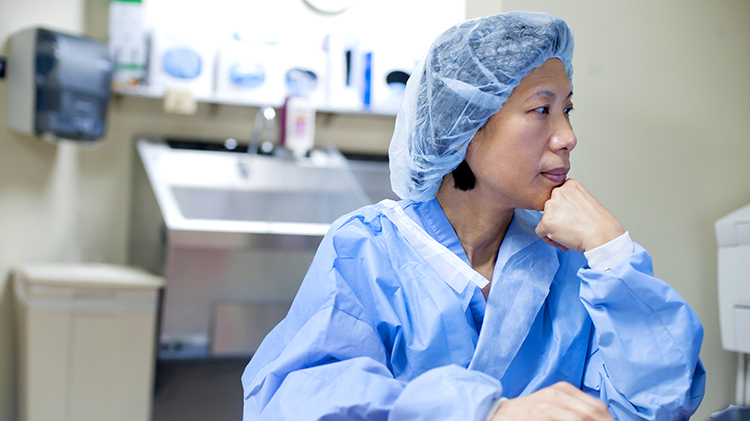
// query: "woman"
[[463, 301]]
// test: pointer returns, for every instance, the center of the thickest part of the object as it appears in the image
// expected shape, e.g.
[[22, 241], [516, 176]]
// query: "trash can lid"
[[96, 275]]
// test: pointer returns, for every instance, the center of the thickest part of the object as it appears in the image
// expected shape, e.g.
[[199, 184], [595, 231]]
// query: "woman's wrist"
[[494, 409], [610, 254]]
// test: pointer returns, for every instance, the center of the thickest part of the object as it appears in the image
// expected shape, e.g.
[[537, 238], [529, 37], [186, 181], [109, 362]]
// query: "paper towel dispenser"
[[733, 236], [58, 85]]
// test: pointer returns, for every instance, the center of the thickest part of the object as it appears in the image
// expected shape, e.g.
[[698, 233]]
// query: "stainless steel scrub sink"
[[255, 205], [234, 234]]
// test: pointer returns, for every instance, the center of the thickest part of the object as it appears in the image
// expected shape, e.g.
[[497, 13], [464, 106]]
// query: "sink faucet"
[[263, 129]]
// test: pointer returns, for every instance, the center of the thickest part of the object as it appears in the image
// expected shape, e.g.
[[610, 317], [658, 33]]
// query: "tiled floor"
[[198, 390]]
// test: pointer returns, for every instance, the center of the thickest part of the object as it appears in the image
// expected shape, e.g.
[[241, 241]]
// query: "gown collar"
[[521, 279], [524, 271], [430, 216], [454, 271]]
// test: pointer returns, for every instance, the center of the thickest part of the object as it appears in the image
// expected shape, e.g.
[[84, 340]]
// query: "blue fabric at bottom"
[[376, 333]]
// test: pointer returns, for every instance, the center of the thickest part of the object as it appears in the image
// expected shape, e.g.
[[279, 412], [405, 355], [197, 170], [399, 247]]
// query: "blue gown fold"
[[377, 333]]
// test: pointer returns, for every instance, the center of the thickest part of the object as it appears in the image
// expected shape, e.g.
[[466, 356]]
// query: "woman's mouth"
[[556, 176]]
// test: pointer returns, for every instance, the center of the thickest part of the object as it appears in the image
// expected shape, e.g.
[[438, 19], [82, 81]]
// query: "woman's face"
[[523, 152]]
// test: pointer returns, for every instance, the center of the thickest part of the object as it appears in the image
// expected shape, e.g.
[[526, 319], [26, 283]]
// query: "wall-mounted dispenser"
[[58, 85]]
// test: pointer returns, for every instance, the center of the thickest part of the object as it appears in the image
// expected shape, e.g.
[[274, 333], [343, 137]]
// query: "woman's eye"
[[542, 110], [568, 110]]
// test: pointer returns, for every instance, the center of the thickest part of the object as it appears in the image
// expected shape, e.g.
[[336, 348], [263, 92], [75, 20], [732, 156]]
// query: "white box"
[[181, 62], [250, 71], [86, 341]]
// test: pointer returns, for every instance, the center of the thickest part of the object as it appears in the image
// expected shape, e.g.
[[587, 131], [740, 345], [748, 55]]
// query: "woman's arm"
[[334, 355], [335, 366], [644, 349]]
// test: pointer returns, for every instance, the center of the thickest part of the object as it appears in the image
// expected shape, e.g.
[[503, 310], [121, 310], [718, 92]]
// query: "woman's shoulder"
[[350, 252], [366, 227], [366, 221]]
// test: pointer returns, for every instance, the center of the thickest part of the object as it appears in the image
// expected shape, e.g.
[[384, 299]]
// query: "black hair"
[[463, 177]]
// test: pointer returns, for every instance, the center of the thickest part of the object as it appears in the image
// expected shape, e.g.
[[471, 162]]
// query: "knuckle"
[[564, 385], [552, 392], [602, 408], [545, 407], [598, 412]]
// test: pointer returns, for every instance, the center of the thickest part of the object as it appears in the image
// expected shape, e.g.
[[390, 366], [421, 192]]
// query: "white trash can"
[[87, 337]]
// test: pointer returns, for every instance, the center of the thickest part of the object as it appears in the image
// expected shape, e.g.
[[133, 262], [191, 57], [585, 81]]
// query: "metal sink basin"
[[254, 205], [233, 234]]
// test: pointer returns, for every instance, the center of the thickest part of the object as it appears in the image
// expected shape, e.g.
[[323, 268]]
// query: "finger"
[[548, 411], [559, 402], [576, 410], [582, 403], [544, 227], [570, 413], [555, 244], [541, 408], [543, 233], [595, 410]]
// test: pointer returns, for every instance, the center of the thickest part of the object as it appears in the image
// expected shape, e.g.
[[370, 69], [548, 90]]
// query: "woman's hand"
[[559, 402], [574, 219]]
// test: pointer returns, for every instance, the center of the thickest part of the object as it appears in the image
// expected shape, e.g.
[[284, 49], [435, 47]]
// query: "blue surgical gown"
[[376, 332]]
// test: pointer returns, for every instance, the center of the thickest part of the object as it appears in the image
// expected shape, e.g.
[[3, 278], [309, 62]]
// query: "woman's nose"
[[563, 137]]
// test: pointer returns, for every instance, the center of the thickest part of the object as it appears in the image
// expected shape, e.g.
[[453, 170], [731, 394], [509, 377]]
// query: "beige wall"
[[664, 140], [35, 208], [661, 122]]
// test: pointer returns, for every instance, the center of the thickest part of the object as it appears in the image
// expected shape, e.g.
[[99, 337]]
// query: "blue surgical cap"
[[466, 77]]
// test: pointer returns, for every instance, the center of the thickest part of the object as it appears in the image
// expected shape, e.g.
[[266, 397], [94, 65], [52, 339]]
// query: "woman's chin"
[[541, 200]]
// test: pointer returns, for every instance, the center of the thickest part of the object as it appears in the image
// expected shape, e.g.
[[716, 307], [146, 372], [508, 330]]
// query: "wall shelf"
[[145, 92]]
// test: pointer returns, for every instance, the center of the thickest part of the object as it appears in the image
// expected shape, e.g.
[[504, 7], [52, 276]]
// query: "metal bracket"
[[743, 380]]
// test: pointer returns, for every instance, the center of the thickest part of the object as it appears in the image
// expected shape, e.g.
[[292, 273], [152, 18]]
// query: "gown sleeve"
[[643, 358], [330, 358]]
